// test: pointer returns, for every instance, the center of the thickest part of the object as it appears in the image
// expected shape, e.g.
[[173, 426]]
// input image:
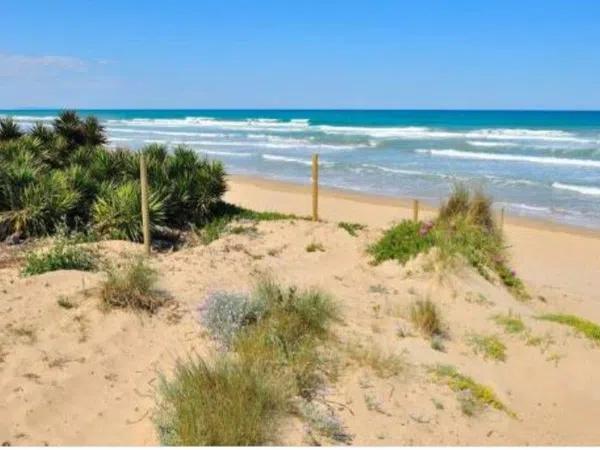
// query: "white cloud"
[[35, 66]]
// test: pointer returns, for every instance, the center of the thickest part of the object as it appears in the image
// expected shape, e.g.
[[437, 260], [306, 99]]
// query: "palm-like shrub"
[[117, 211], [9, 129], [93, 132], [40, 206], [64, 174]]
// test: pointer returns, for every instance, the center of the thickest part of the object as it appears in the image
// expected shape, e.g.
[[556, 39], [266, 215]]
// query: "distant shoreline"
[[427, 209]]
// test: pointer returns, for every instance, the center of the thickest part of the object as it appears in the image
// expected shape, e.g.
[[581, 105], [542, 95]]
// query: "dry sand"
[[81, 376]]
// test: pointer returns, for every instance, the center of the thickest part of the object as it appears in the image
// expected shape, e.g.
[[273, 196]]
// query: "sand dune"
[[81, 376]]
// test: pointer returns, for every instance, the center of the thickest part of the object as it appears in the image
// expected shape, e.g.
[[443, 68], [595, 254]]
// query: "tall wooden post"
[[315, 187], [145, 210], [415, 210]]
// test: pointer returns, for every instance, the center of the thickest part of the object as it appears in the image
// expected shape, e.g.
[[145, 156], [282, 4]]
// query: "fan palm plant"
[[93, 132], [9, 129], [42, 132], [117, 211], [69, 126]]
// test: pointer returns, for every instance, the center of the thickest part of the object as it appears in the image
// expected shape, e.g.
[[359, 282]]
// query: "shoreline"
[[404, 204]]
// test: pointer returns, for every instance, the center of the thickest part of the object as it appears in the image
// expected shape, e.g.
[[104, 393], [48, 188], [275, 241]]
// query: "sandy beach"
[[83, 376]]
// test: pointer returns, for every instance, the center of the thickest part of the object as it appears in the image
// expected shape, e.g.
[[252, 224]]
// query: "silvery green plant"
[[224, 314]]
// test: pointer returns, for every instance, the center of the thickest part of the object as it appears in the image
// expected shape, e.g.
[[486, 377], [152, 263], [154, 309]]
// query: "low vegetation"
[[512, 324], [223, 215], [385, 365], [464, 226], [63, 255], [472, 396], [273, 338], [589, 329], [132, 287], [490, 346], [351, 228], [64, 174], [425, 316], [315, 247]]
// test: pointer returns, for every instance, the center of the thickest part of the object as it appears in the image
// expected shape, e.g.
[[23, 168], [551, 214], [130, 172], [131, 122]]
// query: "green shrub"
[[402, 242], [62, 256], [9, 129], [464, 226], [132, 287], [64, 173], [589, 329], [117, 211]]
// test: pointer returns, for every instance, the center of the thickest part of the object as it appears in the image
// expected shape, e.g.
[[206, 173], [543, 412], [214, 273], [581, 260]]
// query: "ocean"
[[541, 164]]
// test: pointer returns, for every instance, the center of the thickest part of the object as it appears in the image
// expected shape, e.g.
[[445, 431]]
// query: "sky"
[[400, 54]]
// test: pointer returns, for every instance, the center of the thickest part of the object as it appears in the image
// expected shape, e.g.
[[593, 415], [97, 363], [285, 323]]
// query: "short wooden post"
[[502, 219], [415, 210], [145, 210], [315, 187]]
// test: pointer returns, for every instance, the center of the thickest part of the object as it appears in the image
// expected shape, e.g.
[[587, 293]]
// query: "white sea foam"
[[305, 162], [393, 170], [492, 144], [219, 153], [451, 153], [585, 190]]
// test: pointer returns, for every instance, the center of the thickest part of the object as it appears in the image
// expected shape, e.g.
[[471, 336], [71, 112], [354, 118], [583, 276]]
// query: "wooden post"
[[315, 187], [145, 210], [415, 210], [502, 219]]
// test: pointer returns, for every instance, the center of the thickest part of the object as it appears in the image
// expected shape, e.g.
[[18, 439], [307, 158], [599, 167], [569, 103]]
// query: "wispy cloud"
[[24, 65]]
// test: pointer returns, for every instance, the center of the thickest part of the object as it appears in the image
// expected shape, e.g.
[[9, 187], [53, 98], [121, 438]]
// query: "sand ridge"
[[87, 377]]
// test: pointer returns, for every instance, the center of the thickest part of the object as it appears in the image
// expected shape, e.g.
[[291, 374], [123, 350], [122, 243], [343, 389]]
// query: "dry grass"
[[132, 287], [384, 365], [425, 316]]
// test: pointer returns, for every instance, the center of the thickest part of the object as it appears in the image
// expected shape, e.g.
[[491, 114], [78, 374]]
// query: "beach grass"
[[464, 226], [272, 357], [425, 316], [511, 323], [132, 287]]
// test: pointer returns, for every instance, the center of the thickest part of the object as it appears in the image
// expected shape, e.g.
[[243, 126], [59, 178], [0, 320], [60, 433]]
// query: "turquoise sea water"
[[534, 163]]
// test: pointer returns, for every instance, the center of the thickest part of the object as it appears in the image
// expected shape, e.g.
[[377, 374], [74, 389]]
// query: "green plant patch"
[[512, 324], [589, 329], [62, 256], [491, 347], [351, 228], [472, 395]]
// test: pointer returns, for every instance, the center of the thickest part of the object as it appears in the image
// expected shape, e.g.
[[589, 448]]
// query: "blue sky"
[[537, 54]]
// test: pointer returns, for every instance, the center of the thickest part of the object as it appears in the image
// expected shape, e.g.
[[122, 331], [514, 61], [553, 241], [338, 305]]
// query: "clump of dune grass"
[[512, 324], [472, 396], [132, 287], [425, 316], [315, 247], [351, 228], [65, 302], [385, 365], [221, 403], [274, 337], [325, 421], [61, 256], [490, 346], [465, 226], [589, 329]]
